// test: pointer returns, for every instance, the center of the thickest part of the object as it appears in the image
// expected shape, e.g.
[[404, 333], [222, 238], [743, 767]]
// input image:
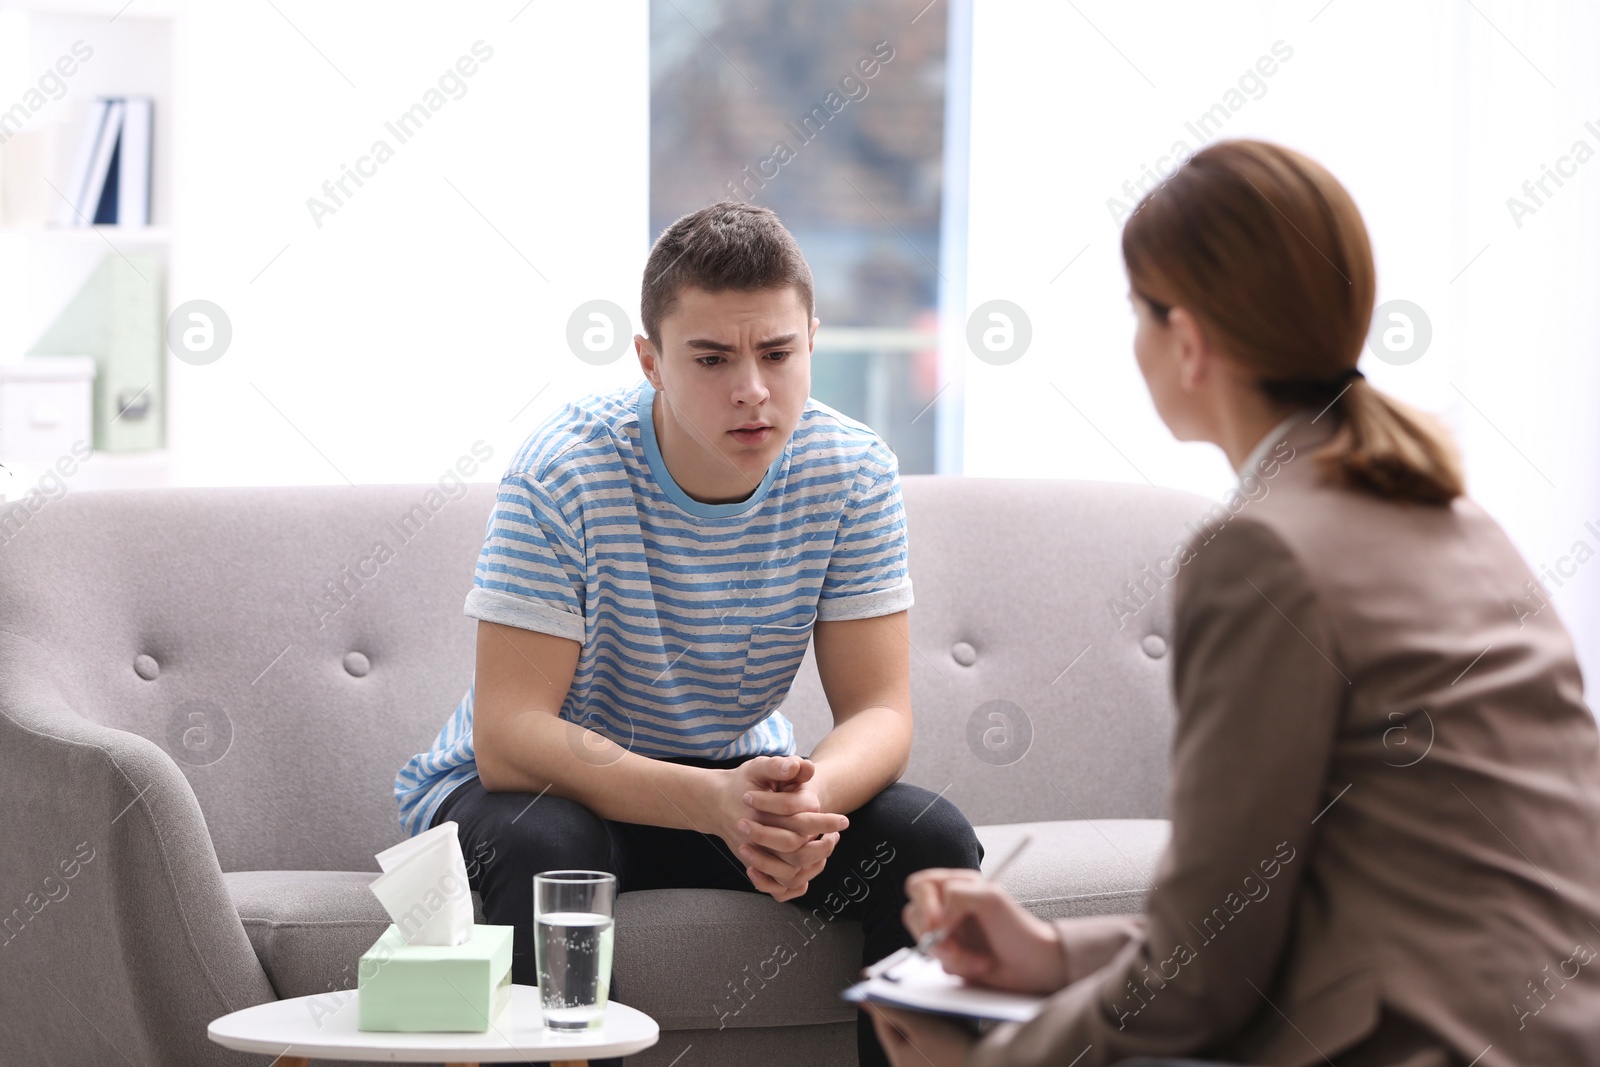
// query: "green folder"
[[435, 987], [117, 318]]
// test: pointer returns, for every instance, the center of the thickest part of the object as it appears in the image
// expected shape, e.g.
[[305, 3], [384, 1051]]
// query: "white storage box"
[[46, 406]]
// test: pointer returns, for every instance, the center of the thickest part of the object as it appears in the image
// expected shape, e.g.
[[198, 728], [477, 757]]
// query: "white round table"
[[294, 1033]]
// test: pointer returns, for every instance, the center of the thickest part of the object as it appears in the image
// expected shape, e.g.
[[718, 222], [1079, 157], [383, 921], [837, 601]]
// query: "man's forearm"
[[861, 757], [541, 752]]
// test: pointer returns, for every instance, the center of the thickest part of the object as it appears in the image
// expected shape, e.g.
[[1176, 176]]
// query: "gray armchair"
[[205, 695]]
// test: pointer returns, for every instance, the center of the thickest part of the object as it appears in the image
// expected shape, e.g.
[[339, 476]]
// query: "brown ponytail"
[[1269, 252], [1392, 449]]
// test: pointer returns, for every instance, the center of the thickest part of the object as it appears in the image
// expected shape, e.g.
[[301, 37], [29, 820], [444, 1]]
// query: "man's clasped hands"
[[769, 810]]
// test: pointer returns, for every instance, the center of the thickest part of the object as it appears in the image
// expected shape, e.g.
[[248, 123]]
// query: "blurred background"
[[283, 242]]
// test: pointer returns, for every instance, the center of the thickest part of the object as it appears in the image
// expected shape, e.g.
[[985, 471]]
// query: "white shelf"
[[102, 470], [117, 235], [43, 267]]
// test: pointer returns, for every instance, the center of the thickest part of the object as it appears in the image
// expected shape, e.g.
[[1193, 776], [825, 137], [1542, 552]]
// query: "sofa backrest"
[[292, 647], [1040, 684], [252, 611]]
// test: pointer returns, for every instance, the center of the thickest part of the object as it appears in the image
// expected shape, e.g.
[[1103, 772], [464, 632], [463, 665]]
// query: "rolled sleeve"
[[523, 613], [869, 570], [530, 571]]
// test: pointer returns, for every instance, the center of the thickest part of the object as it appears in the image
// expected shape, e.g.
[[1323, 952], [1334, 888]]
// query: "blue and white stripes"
[[693, 618]]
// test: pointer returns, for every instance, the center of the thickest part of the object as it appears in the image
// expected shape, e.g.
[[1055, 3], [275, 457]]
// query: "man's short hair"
[[729, 245]]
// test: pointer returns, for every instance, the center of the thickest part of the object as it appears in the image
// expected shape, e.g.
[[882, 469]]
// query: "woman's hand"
[[781, 855], [913, 1039], [991, 940]]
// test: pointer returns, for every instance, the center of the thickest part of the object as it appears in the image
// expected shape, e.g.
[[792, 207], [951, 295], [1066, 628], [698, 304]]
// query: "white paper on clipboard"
[[922, 984]]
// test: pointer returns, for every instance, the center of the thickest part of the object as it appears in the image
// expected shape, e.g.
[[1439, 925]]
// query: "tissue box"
[[435, 987]]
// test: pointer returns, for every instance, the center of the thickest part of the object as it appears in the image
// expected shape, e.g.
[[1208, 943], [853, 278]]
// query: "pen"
[[933, 937]]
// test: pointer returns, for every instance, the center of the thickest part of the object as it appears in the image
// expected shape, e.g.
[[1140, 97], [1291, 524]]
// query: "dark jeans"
[[507, 838]]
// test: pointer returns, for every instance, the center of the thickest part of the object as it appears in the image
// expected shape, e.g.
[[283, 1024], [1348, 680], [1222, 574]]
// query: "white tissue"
[[424, 887]]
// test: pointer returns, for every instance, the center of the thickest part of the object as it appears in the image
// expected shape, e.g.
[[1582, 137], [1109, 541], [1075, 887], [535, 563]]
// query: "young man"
[[657, 562]]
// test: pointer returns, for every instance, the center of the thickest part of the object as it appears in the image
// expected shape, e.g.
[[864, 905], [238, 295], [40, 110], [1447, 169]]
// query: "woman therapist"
[[1385, 789]]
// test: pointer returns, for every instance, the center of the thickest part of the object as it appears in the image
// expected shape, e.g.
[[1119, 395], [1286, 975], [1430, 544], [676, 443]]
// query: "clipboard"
[[920, 983]]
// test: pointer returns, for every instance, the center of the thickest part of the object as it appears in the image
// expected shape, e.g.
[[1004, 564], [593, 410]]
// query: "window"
[[832, 114]]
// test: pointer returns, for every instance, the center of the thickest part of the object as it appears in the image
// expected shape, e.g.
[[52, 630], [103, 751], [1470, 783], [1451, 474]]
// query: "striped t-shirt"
[[693, 618]]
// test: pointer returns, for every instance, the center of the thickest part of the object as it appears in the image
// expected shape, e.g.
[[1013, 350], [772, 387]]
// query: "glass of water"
[[572, 922]]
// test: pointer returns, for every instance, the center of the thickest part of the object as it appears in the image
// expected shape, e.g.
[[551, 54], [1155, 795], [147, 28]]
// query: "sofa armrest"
[[116, 928]]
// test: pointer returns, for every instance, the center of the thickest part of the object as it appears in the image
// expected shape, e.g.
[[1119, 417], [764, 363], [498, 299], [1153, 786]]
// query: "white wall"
[[1428, 114], [381, 345]]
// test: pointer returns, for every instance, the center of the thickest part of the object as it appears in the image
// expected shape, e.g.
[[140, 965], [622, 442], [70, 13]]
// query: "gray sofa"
[[205, 695]]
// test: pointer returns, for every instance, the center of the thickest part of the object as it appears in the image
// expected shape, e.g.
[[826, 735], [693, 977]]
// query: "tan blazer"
[[1385, 806]]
